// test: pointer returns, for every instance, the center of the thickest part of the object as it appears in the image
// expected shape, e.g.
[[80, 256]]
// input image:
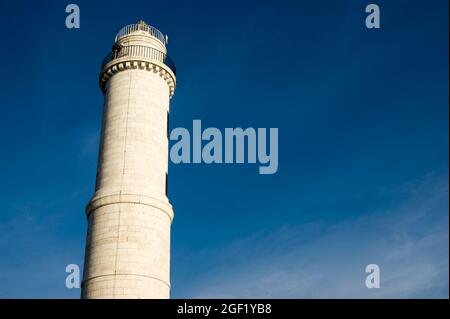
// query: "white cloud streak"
[[409, 242]]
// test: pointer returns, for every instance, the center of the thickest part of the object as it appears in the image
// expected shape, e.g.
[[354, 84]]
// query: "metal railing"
[[142, 27], [139, 51]]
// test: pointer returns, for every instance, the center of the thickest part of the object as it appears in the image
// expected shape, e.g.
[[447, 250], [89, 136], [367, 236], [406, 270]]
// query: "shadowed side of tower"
[[129, 216]]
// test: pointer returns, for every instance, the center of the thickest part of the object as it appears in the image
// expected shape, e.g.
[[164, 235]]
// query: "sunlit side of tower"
[[129, 216]]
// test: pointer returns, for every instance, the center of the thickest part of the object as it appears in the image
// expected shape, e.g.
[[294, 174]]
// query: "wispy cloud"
[[409, 242], [36, 246]]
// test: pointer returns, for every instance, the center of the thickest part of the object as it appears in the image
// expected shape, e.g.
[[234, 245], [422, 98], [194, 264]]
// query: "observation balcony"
[[142, 26], [138, 51]]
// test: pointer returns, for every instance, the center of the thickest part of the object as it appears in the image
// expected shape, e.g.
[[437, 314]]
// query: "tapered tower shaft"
[[129, 216]]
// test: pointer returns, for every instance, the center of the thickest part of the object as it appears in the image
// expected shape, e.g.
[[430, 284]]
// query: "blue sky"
[[363, 145]]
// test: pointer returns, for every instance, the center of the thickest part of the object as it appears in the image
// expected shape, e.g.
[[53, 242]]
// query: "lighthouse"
[[129, 216]]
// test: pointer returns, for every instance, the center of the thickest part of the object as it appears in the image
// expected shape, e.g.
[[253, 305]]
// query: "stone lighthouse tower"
[[129, 216]]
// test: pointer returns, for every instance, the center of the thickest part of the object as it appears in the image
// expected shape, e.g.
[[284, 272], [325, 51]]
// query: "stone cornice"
[[130, 63], [97, 202]]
